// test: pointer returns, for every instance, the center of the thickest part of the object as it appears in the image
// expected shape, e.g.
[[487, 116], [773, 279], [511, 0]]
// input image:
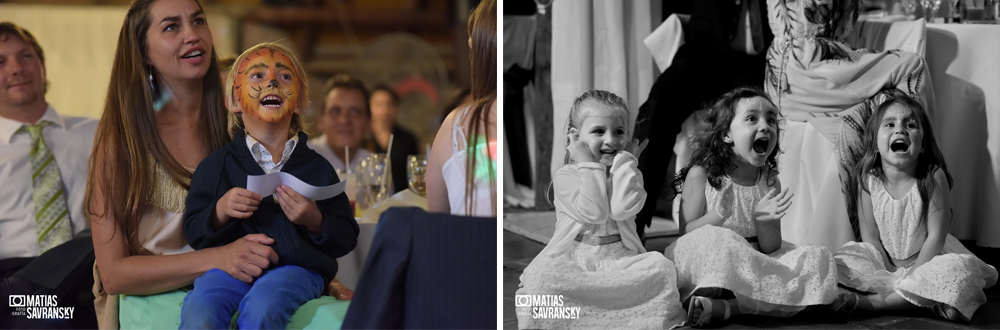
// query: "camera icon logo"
[[16, 300], [522, 300]]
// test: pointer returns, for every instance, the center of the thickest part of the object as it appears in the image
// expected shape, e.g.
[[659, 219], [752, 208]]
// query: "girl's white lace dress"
[[954, 277], [595, 260], [781, 283]]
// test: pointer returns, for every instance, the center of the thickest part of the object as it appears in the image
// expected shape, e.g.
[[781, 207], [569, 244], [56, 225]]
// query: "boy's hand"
[[236, 203], [299, 209], [773, 205], [578, 150]]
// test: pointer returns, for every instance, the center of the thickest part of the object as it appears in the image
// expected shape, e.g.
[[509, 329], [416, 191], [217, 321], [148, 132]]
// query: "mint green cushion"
[[323, 313], [163, 311]]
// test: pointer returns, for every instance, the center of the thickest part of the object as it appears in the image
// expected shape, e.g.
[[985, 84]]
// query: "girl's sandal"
[[948, 313], [707, 311], [846, 302]]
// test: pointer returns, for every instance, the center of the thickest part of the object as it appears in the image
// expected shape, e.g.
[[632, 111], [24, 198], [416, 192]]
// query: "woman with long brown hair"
[[461, 171], [163, 114]]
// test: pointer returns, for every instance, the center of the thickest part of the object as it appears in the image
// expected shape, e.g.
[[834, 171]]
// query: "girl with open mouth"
[[732, 260]]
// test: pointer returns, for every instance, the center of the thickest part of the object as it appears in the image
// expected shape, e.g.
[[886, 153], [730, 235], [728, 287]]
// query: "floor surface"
[[518, 251]]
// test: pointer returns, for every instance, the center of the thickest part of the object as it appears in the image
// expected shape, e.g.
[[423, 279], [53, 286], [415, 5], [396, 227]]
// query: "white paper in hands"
[[267, 184]]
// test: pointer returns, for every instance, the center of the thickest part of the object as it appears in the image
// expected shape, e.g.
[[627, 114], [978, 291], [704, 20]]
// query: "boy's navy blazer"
[[229, 166]]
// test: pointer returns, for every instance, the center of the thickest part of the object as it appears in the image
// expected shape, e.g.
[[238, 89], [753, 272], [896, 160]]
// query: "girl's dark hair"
[[715, 155], [929, 160]]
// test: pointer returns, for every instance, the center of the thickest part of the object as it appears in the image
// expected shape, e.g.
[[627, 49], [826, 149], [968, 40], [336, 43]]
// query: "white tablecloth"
[[965, 74], [353, 263]]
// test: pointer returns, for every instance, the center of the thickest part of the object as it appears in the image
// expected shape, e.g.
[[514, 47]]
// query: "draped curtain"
[[598, 45]]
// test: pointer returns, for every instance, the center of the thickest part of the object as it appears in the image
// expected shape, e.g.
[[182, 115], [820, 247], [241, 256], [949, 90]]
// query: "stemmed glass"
[[930, 9], [374, 187], [416, 170], [992, 11], [954, 11]]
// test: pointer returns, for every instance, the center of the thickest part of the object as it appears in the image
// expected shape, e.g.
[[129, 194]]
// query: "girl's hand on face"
[[579, 151], [773, 205], [636, 148]]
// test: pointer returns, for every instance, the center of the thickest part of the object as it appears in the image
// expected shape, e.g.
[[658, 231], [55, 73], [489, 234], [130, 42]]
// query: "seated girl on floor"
[[732, 261], [906, 258], [595, 260]]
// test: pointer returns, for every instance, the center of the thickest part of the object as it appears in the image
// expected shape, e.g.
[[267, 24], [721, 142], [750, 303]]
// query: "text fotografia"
[[38, 306], [543, 306]]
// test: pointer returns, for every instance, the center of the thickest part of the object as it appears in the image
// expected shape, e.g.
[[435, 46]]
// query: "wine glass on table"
[[416, 171]]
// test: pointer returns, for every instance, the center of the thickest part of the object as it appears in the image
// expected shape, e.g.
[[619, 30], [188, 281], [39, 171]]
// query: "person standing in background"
[[384, 104], [725, 46]]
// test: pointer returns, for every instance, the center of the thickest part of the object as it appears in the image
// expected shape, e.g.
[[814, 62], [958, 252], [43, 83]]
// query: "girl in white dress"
[[906, 258], [732, 261], [595, 261]]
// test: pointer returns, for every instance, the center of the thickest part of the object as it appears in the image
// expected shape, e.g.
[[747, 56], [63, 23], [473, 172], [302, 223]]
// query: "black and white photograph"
[[778, 164]]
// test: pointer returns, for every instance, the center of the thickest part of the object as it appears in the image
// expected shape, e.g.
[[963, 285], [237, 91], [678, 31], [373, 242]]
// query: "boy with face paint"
[[265, 93]]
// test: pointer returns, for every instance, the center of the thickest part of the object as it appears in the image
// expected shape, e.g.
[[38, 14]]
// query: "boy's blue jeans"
[[267, 304]]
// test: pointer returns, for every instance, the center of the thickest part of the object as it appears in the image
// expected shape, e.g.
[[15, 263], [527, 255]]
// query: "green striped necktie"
[[48, 195]]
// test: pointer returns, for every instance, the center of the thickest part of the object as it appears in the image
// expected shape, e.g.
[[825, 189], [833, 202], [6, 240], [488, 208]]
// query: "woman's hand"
[[236, 203], [248, 257], [299, 209], [579, 152], [773, 205]]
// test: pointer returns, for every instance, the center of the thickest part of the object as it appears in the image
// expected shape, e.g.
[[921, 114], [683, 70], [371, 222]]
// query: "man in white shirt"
[[345, 120], [43, 168]]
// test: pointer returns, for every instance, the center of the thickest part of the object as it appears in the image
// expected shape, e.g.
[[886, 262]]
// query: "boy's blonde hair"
[[236, 120]]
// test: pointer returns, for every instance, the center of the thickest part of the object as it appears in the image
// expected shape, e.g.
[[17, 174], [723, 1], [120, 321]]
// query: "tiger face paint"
[[267, 87]]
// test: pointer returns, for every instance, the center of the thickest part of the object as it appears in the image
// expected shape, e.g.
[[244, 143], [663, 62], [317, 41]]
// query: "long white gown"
[[954, 277], [616, 285]]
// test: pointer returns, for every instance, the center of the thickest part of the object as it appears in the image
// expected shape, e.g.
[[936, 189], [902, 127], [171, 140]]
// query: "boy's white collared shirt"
[[264, 157]]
